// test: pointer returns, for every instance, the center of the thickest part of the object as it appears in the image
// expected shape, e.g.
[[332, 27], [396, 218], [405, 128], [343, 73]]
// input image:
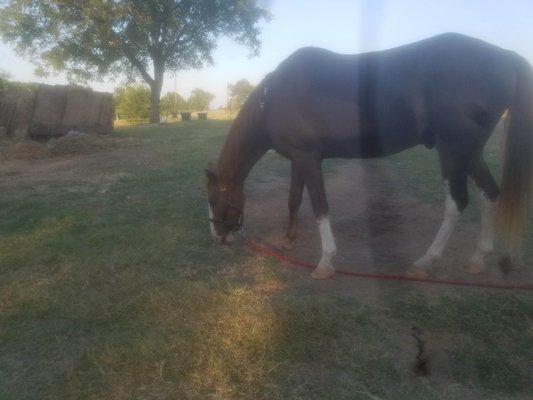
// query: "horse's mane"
[[246, 130]]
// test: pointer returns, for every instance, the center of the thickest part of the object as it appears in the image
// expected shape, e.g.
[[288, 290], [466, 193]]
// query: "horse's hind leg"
[[455, 172], [311, 170], [488, 197], [295, 200]]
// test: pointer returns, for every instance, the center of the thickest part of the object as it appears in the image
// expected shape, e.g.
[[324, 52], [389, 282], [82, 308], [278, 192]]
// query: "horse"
[[445, 92]]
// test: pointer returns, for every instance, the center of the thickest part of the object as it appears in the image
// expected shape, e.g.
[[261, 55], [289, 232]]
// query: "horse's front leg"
[[295, 200], [310, 167]]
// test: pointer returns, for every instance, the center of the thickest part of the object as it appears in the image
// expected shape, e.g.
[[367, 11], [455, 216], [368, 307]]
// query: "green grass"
[[121, 294], [420, 167]]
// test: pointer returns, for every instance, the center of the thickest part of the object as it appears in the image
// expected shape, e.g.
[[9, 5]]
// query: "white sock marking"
[[216, 236], [328, 242], [451, 216], [214, 233]]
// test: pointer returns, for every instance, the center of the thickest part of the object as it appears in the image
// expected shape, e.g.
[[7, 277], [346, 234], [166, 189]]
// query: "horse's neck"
[[242, 149]]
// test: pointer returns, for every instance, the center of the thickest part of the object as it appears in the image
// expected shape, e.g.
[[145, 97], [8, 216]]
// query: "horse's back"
[[327, 73], [377, 103]]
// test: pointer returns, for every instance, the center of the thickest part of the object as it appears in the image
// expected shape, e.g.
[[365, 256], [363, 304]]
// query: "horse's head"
[[226, 205]]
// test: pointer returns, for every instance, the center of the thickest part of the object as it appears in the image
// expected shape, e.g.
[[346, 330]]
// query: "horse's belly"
[[345, 133], [362, 146]]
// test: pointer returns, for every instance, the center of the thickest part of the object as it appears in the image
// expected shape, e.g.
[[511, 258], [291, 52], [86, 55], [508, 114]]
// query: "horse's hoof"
[[475, 268], [506, 264], [323, 272], [417, 273], [424, 262]]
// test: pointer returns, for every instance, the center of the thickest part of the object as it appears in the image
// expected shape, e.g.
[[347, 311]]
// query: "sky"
[[345, 26]]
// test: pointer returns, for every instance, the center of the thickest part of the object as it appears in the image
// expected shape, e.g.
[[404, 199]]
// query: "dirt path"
[[77, 172], [379, 225]]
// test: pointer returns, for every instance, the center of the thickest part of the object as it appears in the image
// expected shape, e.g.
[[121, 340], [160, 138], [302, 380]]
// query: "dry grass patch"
[[236, 362], [71, 144], [27, 150]]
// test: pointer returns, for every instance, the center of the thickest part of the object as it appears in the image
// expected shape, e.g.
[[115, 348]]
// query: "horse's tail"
[[518, 160]]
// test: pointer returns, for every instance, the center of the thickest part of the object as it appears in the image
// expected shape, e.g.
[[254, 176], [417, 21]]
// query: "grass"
[[111, 288]]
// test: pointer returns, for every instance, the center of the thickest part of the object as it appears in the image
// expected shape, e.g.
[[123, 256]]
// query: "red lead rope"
[[259, 248]]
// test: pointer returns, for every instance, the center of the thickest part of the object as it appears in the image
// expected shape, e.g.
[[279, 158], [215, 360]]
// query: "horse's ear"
[[210, 173]]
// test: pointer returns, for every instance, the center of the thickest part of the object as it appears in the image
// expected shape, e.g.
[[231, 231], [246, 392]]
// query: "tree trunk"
[[155, 88], [155, 95]]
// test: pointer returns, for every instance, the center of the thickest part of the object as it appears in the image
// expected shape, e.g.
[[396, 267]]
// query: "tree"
[[172, 103], [4, 77], [239, 92], [132, 102], [136, 38], [199, 100]]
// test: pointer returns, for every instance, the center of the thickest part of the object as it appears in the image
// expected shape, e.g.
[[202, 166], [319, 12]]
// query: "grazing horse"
[[446, 92]]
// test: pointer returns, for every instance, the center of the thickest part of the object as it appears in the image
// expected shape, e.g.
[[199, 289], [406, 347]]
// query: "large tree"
[[239, 92], [90, 39], [4, 76], [199, 100], [172, 103]]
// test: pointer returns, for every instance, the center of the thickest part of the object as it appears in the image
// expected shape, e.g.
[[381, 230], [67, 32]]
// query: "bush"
[[132, 102]]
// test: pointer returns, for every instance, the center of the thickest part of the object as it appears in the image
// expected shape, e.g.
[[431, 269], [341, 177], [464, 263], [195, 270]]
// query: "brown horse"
[[447, 92]]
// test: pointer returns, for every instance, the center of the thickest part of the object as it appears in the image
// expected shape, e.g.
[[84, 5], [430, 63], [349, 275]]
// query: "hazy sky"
[[340, 25]]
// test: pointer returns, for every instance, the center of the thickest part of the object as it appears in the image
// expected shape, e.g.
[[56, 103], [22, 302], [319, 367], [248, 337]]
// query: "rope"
[[260, 248]]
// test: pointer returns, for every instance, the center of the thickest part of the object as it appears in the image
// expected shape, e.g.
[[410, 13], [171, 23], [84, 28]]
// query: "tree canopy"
[[172, 103], [239, 92], [199, 100], [4, 76], [135, 38]]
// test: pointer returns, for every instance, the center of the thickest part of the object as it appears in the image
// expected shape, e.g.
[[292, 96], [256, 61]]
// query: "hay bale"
[[50, 105], [88, 111], [23, 97], [82, 108], [44, 111], [7, 112], [107, 113]]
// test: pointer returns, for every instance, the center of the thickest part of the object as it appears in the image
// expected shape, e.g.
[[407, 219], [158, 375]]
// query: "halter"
[[237, 227]]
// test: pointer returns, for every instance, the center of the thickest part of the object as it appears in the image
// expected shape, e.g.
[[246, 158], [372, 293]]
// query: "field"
[[112, 288]]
